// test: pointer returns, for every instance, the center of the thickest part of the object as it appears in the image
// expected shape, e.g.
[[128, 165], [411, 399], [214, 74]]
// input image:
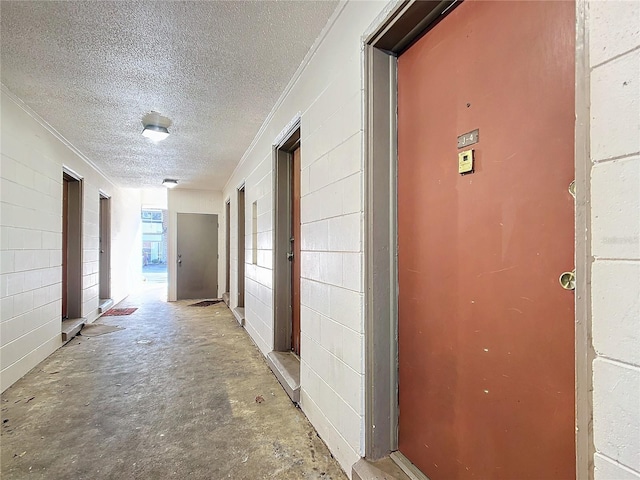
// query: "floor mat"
[[95, 329], [118, 311], [205, 303]]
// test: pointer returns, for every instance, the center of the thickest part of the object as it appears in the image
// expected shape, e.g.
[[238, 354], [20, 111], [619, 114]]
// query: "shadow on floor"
[[179, 393]]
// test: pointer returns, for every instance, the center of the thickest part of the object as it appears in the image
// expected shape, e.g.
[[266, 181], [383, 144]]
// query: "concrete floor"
[[181, 392]]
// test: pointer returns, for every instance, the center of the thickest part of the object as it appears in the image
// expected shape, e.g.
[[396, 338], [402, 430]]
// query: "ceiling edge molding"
[[303, 65], [47, 126]]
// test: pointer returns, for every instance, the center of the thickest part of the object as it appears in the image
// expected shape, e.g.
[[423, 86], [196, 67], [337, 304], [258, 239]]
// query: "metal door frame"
[[241, 245], [75, 252], [389, 35], [105, 246], [227, 256], [282, 158]]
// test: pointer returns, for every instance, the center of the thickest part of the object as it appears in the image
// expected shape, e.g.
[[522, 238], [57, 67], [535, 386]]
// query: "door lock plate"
[[465, 162]]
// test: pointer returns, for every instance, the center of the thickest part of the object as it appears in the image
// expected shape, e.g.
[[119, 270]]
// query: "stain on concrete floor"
[[96, 329], [173, 395]]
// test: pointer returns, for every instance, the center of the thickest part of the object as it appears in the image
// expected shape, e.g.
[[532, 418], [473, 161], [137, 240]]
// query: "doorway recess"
[[71, 313], [284, 362], [238, 311], [227, 251], [105, 254]]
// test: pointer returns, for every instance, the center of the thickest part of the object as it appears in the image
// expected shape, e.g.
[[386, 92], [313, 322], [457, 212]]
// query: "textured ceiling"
[[93, 69]]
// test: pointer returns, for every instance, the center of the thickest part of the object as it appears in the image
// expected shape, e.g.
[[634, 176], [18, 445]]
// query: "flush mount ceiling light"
[[156, 126], [169, 183], [155, 132]]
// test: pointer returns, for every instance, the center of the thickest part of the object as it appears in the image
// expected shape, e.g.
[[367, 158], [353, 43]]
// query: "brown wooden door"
[[241, 246], [295, 248], [65, 243], [486, 333], [227, 246]]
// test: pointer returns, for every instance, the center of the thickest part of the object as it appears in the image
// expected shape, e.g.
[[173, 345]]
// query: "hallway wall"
[[614, 36], [154, 198], [31, 239], [192, 201], [327, 93]]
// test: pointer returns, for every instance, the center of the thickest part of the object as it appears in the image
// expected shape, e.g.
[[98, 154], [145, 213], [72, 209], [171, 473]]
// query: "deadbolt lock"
[[568, 280], [290, 256]]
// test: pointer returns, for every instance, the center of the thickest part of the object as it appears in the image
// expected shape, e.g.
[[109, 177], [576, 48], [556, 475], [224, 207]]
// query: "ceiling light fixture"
[[170, 183], [155, 132]]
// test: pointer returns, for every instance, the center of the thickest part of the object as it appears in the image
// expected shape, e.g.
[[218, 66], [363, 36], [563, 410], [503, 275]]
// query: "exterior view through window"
[[154, 246]]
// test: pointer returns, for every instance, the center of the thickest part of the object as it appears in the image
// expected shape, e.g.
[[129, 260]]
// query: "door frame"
[[385, 39], [74, 242], [104, 229], [241, 245], [227, 248], [282, 158]]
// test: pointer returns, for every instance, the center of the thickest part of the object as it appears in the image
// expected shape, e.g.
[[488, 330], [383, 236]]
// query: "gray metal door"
[[197, 256]]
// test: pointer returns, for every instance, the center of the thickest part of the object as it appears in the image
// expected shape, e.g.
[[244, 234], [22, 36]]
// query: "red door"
[[486, 332], [295, 247]]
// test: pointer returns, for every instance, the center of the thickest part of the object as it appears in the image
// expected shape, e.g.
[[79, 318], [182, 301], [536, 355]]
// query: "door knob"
[[572, 189], [290, 256], [568, 280]]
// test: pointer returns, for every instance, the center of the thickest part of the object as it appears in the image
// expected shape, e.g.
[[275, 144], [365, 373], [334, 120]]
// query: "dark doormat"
[[205, 303], [118, 311], [95, 329]]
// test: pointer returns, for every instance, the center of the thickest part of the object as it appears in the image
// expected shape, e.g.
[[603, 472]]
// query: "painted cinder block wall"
[[31, 239], [327, 94], [614, 58]]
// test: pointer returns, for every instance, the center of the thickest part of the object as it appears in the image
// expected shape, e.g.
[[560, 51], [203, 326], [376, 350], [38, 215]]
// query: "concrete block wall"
[[258, 300], [90, 249], [327, 94], [32, 160], [614, 51]]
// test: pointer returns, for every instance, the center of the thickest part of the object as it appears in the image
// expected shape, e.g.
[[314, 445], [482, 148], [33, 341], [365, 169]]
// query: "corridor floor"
[[180, 392]]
